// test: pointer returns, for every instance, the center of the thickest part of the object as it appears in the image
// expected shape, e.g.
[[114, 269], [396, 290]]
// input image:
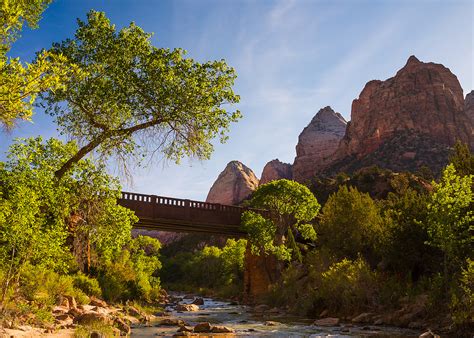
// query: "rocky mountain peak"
[[423, 101], [317, 142], [234, 184], [276, 170]]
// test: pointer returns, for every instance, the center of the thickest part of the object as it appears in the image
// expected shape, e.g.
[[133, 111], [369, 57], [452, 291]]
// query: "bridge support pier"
[[259, 273]]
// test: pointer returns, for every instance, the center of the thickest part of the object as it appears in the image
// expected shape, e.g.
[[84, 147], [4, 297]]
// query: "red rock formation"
[[317, 142], [422, 98], [276, 170], [469, 106], [233, 185]]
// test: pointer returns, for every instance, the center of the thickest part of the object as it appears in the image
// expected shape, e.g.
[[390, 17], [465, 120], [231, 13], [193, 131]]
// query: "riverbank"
[[69, 319]]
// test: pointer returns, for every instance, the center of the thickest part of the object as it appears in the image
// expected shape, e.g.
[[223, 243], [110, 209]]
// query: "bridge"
[[183, 215]]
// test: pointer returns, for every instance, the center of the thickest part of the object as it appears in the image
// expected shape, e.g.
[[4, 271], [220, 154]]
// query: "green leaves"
[[450, 215], [21, 83], [134, 94], [292, 205]]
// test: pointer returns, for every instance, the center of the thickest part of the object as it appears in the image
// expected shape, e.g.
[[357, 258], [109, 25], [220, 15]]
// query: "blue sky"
[[292, 58]]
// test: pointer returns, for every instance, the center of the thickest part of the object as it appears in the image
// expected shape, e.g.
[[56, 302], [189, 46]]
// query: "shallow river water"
[[247, 324]]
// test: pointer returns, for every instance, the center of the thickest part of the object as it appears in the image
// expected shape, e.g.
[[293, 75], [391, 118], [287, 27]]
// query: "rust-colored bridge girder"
[[183, 215]]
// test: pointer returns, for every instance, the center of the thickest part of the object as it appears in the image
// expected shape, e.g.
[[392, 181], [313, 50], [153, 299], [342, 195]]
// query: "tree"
[[405, 249], [135, 96], [292, 206], [462, 159], [350, 224], [42, 223], [451, 217], [20, 84]]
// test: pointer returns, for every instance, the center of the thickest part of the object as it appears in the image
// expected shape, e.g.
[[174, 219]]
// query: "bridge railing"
[[185, 203]]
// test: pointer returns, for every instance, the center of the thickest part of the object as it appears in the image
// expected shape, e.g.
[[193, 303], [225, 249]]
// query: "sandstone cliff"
[[469, 105], [407, 121], [276, 170], [233, 185], [317, 142]]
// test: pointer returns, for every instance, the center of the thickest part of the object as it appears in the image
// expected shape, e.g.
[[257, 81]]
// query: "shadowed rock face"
[[233, 185], [317, 142], [423, 98], [276, 170], [469, 106]]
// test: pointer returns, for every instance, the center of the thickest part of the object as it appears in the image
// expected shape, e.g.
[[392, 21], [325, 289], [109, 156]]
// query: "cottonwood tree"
[[451, 218], [136, 98], [21, 83], [292, 207]]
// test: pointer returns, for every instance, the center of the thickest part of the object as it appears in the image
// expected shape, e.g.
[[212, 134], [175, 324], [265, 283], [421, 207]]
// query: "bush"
[[348, 286], [89, 286]]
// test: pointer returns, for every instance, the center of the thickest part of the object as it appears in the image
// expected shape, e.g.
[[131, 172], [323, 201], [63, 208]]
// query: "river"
[[248, 324]]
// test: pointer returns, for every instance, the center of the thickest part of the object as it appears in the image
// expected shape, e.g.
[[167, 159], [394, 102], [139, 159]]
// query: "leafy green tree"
[[350, 224], [14, 14], [134, 94], [451, 217], [40, 221], [405, 248], [462, 159], [20, 84], [133, 271], [292, 207]]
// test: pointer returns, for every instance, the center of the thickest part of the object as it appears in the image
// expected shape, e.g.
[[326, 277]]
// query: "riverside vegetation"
[[63, 236]]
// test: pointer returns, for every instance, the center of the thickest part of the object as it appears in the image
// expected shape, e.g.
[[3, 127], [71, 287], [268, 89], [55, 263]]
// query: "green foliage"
[[292, 206], [42, 222], [14, 14], [20, 84], [134, 93], [343, 287], [348, 285], [404, 249], [462, 302], [350, 224], [450, 218], [218, 269], [462, 159], [45, 287], [132, 274], [90, 286]]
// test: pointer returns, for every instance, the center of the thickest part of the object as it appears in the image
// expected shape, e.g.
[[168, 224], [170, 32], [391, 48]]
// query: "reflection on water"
[[247, 324]]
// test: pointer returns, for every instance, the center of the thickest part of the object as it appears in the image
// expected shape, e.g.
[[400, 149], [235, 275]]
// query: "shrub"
[[348, 286], [89, 286]]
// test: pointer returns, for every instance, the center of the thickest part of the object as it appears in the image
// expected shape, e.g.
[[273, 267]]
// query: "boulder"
[[365, 317], [198, 301], [233, 185], [271, 323], [187, 307], [202, 327], [122, 326], [222, 329], [429, 334], [185, 328], [328, 321], [97, 302], [171, 322], [276, 170]]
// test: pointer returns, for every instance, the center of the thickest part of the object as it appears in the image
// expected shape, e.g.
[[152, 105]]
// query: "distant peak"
[[413, 60], [327, 114]]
